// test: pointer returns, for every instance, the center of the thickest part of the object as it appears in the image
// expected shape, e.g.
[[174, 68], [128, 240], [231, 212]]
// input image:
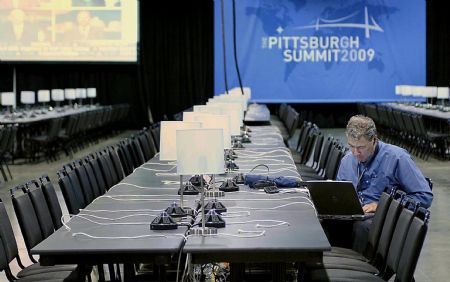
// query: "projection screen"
[[69, 30]]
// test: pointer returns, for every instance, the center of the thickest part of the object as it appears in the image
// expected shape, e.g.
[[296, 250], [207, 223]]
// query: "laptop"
[[336, 200]]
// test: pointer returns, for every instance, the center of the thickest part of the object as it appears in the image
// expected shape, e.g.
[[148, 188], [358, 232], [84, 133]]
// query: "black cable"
[[224, 47], [268, 169], [235, 49]]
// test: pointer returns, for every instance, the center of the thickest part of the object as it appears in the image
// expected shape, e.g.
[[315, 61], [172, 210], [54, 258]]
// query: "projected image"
[[74, 26], [23, 4], [96, 3], [69, 30], [21, 27]]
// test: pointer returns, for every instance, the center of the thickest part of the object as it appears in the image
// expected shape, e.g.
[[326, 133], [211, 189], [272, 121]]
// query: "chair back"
[[52, 200], [412, 246]]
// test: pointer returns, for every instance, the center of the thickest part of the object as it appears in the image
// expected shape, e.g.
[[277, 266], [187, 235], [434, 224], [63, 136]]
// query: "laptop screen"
[[334, 198]]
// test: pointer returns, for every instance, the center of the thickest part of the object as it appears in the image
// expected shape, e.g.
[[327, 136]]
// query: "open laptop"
[[335, 200]]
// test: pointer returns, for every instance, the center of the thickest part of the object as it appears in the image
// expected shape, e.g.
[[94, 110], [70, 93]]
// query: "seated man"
[[374, 165]]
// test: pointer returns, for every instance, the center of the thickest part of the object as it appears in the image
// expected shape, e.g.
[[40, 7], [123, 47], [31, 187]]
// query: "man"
[[374, 165]]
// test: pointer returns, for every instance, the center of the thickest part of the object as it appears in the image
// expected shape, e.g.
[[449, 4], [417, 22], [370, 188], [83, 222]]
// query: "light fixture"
[[57, 96], [168, 152], [69, 95], [8, 99], [43, 97], [91, 94]]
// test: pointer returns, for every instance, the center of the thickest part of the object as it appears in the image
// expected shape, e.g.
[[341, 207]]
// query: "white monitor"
[[43, 96], [200, 151], [80, 93], [57, 95], [69, 94], [212, 121], [8, 99], [167, 139], [27, 97], [92, 92], [443, 92]]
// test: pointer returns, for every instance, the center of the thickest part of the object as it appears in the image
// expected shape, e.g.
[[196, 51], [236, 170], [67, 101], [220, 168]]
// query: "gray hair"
[[361, 126]]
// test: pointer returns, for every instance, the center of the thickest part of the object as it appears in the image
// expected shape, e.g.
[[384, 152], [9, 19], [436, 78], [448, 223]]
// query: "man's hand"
[[372, 207]]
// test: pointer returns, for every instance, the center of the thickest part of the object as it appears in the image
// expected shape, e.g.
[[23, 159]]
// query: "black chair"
[[145, 146], [402, 258], [47, 141], [52, 200], [138, 151], [102, 186], [108, 175], [72, 196], [156, 134], [373, 235], [85, 184], [116, 164], [91, 177], [34, 272], [7, 143]]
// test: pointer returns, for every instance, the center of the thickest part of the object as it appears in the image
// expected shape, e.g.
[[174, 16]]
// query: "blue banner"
[[322, 51]]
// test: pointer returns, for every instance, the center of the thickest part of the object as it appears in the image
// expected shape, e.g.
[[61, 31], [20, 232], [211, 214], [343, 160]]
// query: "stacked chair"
[[286, 120], [317, 157]]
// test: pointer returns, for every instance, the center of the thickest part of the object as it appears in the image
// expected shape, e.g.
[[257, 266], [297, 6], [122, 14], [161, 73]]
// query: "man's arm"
[[413, 182]]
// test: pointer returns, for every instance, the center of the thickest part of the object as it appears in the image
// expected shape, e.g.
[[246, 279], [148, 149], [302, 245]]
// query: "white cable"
[[239, 214], [138, 198], [263, 144], [265, 199], [166, 174], [98, 223], [128, 237], [253, 153], [170, 182], [137, 186], [266, 159], [253, 165], [276, 222], [309, 203], [141, 210], [113, 219], [169, 163], [156, 170]]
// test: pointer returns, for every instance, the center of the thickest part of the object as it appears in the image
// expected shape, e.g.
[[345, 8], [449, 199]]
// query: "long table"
[[260, 227]]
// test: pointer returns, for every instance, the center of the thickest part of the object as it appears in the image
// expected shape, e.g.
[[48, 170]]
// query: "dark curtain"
[[175, 68], [438, 43]]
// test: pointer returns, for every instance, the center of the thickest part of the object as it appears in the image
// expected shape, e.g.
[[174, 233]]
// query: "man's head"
[[361, 137]]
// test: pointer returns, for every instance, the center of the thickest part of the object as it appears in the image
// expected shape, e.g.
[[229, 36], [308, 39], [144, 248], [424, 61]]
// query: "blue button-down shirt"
[[389, 167]]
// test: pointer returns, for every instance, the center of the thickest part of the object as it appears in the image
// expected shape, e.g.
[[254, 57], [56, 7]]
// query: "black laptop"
[[336, 200]]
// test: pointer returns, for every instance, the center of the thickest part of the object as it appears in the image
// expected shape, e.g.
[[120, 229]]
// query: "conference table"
[[273, 228], [434, 119], [257, 114], [38, 115]]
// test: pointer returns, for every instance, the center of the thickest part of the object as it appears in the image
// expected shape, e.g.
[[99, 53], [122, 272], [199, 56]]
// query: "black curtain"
[[438, 43], [175, 68]]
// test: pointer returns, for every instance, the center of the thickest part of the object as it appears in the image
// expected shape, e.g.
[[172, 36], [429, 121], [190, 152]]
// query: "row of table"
[[260, 227]]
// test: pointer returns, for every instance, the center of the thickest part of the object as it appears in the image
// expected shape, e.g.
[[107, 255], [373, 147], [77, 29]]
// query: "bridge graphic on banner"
[[340, 23]]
